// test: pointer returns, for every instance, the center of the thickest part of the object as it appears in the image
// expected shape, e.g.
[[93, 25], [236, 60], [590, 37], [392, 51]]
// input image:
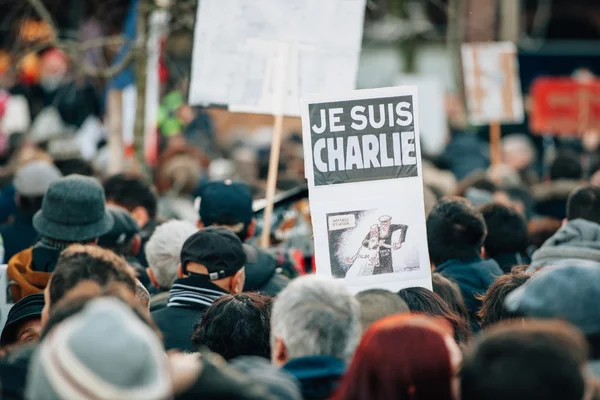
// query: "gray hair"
[[163, 250], [316, 316]]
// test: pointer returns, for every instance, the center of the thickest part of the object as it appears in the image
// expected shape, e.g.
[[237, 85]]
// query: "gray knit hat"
[[570, 293], [34, 178], [73, 210], [105, 352]]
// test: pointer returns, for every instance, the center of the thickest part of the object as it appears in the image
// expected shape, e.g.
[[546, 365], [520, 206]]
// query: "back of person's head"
[[492, 302], [314, 316], [449, 291], [584, 203], [506, 231], [403, 357], [236, 325], [132, 193], [79, 263], [31, 182], [424, 301], [455, 230], [566, 166], [531, 361], [117, 356], [516, 197], [163, 251], [376, 304], [74, 166]]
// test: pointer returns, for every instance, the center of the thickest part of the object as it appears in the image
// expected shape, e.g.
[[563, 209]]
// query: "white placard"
[[492, 83], [238, 45], [363, 166]]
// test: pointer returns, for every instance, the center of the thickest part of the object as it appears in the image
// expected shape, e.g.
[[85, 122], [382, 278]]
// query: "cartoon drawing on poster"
[[365, 243]]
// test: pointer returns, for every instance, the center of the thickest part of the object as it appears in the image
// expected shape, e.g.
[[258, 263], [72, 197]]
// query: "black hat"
[[225, 203], [73, 210], [218, 249], [27, 308], [123, 230]]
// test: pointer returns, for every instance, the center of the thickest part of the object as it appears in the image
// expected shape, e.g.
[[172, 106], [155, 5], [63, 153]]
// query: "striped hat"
[[105, 352]]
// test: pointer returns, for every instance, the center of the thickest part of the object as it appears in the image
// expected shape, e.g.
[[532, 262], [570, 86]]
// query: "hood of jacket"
[[576, 240], [26, 280]]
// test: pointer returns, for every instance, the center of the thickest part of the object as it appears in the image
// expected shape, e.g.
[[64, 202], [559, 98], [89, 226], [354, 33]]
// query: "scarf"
[[194, 292]]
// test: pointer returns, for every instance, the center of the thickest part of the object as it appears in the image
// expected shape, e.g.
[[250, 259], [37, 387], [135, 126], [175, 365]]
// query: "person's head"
[[516, 197], [227, 204], [314, 316], [539, 360], [236, 325], [31, 183], [506, 231], [54, 67], [133, 194], [424, 301], [163, 252], [403, 357], [584, 203], [518, 151], [455, 230], [376, 304], [23, 323], [73, 211], [492, 302], [569, 292], [449, 291], [124, 238], [385, 222], [217, 254], [80, 263], [115, 354], [566, 167]]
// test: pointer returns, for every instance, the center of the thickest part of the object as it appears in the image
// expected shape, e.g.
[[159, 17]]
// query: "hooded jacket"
[[577, 241], [474, 277], [26, 280]]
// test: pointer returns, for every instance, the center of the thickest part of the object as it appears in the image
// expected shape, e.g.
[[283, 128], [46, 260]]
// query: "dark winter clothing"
[[18, 235], [551, 198], [188, 299], [13, 372], [319, 376], [576, 243], [507, 261], [264, 276], [474, 277]]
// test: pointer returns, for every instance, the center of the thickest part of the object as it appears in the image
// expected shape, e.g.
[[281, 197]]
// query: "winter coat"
[[18, 235], [578, 241], [319, 376], [474, 277], [551, 197]]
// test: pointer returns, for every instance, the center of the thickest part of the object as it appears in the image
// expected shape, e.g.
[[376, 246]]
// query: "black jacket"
[[18, 235], [264, 275], [13, 372], [188, 299]]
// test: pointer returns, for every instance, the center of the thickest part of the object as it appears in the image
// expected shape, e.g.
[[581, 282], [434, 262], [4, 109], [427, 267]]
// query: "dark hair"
[[236, 325], [455, 230], [492, 302], [521, 194], [78, 297], [79, 263], [421, 300], [450, 292], [566, 166], [542, 229], [506, 231], [540, 360], [30, 205], [130, 192], [400, 357], [74, 166], [378, 303], [584, 203]]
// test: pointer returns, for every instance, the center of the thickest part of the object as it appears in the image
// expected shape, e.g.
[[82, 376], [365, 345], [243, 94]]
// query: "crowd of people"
[[113, 301]]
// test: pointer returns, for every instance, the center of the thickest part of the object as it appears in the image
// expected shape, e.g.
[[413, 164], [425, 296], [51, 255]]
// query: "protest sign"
[[363, 166], [564, 106], [237, 44], [492, 83]]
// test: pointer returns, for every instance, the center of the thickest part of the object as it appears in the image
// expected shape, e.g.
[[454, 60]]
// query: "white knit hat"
[[105, 352]]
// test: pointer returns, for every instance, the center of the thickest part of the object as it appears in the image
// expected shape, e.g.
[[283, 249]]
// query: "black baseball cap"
[[225, 203], [123, 230], [219, 250]]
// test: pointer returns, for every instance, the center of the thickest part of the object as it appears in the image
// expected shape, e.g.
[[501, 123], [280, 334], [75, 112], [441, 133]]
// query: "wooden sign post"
[[493, 89]]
